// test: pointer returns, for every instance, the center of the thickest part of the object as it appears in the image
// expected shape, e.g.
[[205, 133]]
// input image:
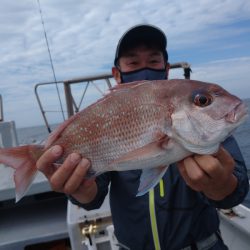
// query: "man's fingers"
[[195, 177], [69, 177], [209, 164], [62, 174], [195, 173], [77, 177], [45, 162], [225, 158]]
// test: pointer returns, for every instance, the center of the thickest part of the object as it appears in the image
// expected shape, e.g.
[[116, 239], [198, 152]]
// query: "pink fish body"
[[143, 125]]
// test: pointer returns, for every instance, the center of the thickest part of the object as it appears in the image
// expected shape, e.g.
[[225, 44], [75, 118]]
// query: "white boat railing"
[[8, 135], [70, 103], [1, 108], [71, 106]]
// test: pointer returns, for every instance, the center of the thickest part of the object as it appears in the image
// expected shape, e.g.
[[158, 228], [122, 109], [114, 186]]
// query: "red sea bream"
[[142, 125]]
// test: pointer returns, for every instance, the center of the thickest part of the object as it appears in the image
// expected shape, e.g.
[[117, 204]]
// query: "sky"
[[212, 35]]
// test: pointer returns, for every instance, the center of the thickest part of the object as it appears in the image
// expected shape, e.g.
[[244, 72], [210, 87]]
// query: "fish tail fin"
[[23, 160]]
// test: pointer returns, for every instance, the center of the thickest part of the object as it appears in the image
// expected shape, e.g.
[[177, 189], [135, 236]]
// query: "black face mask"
[[143, 74]]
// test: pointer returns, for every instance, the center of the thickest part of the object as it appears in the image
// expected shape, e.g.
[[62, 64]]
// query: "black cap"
[[142, 32]]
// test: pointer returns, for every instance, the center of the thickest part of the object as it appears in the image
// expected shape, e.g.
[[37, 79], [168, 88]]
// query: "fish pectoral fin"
[[148, 156], [150, 178]]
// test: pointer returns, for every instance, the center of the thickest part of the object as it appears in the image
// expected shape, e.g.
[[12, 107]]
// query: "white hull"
[[236, 228]]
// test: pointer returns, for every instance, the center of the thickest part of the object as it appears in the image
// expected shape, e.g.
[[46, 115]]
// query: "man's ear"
[[116, 74]]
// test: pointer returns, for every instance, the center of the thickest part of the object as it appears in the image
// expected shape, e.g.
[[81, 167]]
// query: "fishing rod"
[[50, 57]]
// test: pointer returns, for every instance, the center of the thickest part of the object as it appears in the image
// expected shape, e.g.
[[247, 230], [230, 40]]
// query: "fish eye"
[[202, 99]]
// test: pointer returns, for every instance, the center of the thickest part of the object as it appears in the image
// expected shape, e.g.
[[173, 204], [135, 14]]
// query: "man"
[[180, 212]]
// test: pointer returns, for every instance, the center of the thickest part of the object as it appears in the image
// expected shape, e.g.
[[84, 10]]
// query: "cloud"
[[82, 36], [232, 74]]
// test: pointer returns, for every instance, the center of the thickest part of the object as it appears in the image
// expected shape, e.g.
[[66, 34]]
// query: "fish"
[[145, 125]]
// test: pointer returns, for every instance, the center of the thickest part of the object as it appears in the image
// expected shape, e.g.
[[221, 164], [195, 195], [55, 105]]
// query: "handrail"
[[1, 108], [70, 102], [185, 66]]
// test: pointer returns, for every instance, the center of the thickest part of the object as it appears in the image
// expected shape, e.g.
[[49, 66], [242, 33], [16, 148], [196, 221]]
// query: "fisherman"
[[180, 212]]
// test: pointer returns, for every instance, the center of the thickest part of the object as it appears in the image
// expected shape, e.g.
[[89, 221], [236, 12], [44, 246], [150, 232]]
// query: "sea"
[[38, 134]]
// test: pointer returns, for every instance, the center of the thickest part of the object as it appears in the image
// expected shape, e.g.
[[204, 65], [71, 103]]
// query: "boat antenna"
[[50, 57]]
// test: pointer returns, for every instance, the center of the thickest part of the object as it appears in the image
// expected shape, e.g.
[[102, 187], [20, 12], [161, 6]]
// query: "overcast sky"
[[213, 36]]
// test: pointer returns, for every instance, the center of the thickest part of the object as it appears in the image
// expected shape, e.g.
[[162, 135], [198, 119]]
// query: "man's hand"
[[210, 174], [69, 177]]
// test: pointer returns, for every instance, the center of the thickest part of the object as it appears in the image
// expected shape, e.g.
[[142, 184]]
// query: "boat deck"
[[40, 216], [37, 218]]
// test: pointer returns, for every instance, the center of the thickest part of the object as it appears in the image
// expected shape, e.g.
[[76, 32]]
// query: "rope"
[[50, 57]]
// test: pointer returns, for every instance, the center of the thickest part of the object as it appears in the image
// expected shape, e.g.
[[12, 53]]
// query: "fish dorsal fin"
[[127, 85]]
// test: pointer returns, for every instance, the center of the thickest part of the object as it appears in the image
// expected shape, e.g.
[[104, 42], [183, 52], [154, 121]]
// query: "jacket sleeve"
[[102, 182], [240, 171]]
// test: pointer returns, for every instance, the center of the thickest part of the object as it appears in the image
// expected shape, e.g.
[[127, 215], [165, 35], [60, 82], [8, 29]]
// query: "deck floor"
[[33, 220]]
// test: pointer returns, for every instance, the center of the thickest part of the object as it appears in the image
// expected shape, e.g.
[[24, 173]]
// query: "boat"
[[44, 219]]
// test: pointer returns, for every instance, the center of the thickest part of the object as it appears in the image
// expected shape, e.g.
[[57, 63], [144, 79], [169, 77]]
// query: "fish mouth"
[[238, 114]]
